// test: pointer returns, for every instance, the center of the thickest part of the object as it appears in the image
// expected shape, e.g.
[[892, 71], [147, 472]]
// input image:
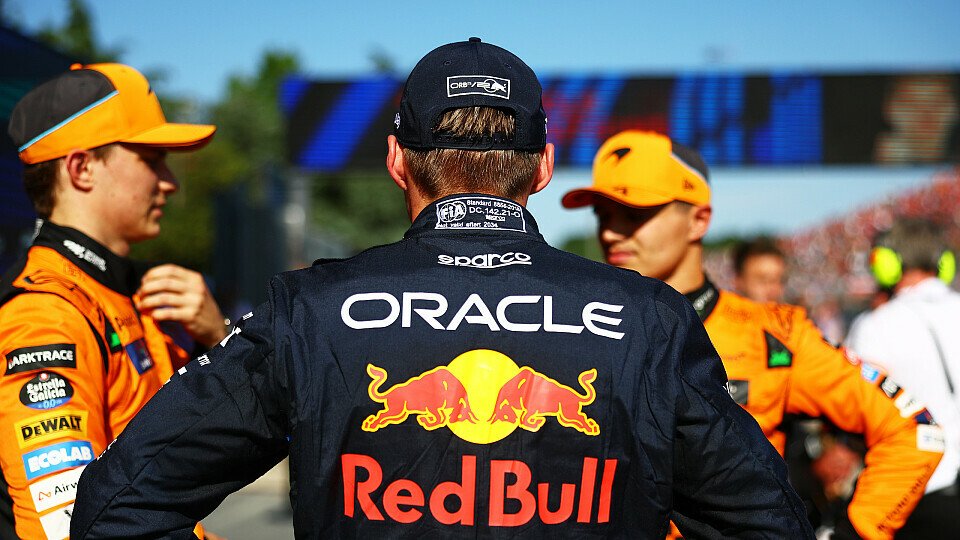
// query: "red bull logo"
[[482, 396]]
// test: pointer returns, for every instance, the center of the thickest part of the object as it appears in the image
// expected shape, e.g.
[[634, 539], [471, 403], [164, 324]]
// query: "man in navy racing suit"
[[466, 381]]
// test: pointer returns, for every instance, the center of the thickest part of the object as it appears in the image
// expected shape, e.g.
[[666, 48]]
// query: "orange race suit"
[[79, 362], [778, 363]]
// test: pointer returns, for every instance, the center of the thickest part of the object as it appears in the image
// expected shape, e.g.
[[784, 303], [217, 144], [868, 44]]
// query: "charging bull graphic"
[[430, 396], [536, 396], [482, 384]]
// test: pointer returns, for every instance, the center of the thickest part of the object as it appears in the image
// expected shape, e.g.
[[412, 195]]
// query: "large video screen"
[[733, 119]]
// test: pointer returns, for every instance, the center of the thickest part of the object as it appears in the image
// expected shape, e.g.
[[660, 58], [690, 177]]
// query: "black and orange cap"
[[94, 105]]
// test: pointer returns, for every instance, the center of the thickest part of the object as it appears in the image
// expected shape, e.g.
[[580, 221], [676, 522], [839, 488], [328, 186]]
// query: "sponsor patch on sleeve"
[[930, 439], [56, 524], [55, 490], [739, 391], [46, 391], [49, 426], [140, 356], [869, 373], [57, 457], [41, 357]]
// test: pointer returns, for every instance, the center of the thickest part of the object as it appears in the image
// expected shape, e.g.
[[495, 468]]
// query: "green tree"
[[77, 36]]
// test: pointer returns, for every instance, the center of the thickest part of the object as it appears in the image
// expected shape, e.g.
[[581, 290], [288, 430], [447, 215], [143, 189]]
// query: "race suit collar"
[[474, 213], [704, 298], [109, 269]]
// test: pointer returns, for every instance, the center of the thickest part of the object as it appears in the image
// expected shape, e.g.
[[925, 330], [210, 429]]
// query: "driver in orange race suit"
[[652, 200]]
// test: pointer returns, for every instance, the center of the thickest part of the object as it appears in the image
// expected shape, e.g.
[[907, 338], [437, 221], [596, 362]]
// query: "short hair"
[[761, 245], [443, 171], [918, 242], [40, 181]]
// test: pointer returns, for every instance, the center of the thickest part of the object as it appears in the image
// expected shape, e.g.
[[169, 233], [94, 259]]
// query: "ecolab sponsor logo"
[[484, 85], [50, 426], [43, 356], [485, 260], [57, 457], [46, 391], [512, 502], [56, 490], [431, 308], [85, 254]]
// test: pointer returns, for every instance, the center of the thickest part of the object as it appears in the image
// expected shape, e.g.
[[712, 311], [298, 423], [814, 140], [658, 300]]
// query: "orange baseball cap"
[[642, 168], [94, 105]]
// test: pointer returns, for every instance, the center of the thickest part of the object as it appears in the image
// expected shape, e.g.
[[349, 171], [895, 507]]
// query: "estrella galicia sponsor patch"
[[778, 355], [55, 490], [41, 357], [49, 426], [46, 391], [57, 457], [739, 390], [484, 85], [480, 213], [140, 356]]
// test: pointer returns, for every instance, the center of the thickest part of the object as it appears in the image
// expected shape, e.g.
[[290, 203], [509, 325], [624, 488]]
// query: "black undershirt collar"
[[704, 298], [109, 269]]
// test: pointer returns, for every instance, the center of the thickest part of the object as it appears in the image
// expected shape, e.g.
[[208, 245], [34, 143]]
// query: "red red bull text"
[[405, 501]]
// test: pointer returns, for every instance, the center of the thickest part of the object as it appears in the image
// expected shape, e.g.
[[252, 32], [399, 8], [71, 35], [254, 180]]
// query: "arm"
[[728, 480], [219, 424], [902, 446], [52, 402]]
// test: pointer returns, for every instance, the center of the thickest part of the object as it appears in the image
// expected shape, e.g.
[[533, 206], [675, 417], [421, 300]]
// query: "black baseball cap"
[[471, 74]]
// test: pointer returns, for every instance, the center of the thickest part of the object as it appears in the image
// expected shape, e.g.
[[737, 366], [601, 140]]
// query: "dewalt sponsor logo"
[[45, 427]]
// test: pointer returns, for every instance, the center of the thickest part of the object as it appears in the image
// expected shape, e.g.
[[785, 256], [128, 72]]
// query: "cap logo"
[[687, 185], [484, 85], [621, 152]]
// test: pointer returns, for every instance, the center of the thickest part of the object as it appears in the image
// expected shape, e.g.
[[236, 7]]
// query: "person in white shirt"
[[914, 339]]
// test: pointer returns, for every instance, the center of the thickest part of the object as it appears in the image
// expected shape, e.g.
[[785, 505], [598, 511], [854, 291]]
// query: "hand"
[[172, 293]]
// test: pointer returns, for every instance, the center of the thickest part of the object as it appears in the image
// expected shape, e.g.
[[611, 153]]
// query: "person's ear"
[[544, 171], [79, 168], [700, 221], [396, 164]]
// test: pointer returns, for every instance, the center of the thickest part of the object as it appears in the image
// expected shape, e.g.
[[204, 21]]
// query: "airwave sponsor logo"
[[41, 357], [85, 254], [484, 85], [46, 391], [364, 311], [56, 524], [50, 426], [451, 211], [485, 260], [57, 457], [56, 490]]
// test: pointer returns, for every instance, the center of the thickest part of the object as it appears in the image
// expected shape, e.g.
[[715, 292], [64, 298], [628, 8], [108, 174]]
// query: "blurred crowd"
[[827, 266]]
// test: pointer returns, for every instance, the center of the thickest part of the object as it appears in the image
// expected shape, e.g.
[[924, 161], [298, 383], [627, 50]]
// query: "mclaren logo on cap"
[[484, 85]]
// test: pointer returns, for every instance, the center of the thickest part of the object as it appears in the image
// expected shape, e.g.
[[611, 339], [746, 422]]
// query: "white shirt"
[[898, 337]]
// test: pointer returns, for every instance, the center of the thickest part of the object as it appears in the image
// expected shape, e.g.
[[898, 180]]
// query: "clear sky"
[[199, 43]]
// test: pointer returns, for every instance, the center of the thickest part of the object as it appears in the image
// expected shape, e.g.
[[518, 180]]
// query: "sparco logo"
[[40, 357], [451, 211], [485, 260], [85, 254], [484, 85]]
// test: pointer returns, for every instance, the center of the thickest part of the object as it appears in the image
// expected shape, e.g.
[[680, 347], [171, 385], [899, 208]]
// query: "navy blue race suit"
[[467, 381]]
